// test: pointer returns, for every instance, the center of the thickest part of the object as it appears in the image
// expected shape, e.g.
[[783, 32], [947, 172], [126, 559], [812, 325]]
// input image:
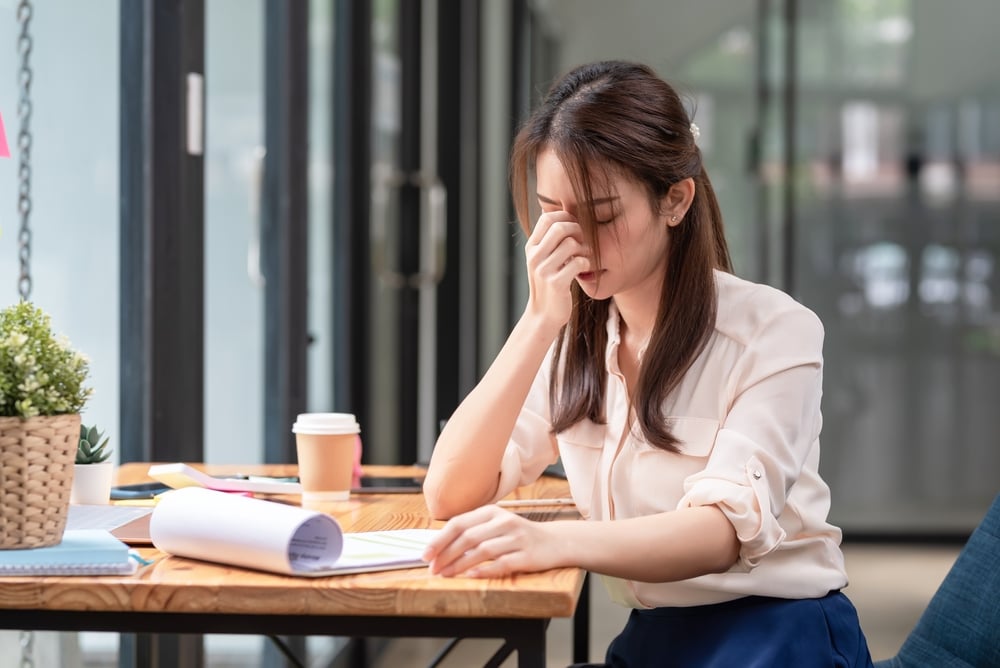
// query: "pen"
[[261, 478], [514, 503]]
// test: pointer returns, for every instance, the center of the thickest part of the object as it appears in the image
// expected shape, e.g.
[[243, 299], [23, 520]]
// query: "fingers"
[[443, 544], [556, 230], [553, 255], [546, 221], [462, 542], [483, 555], [486, 540], [556, 253]]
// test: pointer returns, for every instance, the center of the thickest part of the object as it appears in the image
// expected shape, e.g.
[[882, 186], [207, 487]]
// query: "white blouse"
[[748, 415]]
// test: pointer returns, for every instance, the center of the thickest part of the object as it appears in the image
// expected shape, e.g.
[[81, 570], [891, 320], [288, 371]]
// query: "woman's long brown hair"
[[618, 118]]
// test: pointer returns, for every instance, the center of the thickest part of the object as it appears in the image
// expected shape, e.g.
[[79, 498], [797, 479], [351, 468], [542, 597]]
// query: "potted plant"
[[42, 391], [92, 471]]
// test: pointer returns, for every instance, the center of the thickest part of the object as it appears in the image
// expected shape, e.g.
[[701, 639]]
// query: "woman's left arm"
[[492, 542], [768, 445]]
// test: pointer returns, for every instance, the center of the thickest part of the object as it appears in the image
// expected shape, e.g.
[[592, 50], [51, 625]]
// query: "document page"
[[265, 535]]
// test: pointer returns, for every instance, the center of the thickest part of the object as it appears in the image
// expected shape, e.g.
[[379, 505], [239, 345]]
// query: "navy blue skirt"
[[755, 631]]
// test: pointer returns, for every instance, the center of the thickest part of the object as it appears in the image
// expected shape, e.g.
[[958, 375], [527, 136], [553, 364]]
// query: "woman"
[[685, 402]]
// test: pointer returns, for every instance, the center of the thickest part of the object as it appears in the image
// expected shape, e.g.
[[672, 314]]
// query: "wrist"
[[566, 548], [538, 323]]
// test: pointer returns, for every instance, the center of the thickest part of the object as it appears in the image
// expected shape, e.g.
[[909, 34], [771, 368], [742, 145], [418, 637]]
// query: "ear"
[[677, 201]]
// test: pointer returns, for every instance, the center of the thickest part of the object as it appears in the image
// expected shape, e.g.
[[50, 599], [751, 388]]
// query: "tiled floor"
[[890, 585]]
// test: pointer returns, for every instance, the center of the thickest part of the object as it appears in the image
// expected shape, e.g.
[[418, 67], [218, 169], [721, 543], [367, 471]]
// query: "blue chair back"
[[961, 625]]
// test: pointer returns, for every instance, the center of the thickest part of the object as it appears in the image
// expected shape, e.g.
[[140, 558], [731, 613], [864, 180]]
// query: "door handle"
[[386, 182], [254, 272], [433, 231]]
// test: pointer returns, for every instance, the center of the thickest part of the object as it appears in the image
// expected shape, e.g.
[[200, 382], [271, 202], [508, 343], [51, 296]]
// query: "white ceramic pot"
[[92, 483]]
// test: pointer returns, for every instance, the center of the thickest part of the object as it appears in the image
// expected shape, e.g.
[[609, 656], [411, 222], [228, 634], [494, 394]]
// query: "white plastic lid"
[[326, 423]]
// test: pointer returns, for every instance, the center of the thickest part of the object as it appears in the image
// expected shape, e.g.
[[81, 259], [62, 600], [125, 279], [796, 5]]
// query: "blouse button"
[[756, 474]]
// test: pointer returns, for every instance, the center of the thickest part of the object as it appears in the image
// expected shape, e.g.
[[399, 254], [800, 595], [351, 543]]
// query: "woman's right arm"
[[464, 470]]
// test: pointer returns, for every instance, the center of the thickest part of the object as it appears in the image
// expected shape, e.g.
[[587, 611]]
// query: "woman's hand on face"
[[491, 542], [555, 254]]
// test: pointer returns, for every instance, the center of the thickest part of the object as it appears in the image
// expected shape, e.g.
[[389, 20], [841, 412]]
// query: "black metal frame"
[[284, 223], [351, 105], [162, 259], [520, 104], [790, 109], [526, 636], [458, 125], [409, 22], [284, 233], [162, 234], [755, 160]]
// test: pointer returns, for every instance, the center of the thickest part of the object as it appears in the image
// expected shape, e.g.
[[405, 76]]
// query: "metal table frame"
[[526, 636]]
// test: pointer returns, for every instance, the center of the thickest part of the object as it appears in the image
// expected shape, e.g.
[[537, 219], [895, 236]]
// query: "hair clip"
[[695, 131]]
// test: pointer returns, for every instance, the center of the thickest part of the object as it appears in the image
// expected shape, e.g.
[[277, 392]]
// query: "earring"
[[673, 219]]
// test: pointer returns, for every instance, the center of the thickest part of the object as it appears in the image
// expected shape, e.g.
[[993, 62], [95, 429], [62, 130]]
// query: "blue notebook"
[[81, 552]]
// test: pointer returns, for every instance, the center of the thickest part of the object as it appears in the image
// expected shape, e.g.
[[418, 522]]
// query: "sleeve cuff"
[[524, 459], [745, 502], [510, 472]]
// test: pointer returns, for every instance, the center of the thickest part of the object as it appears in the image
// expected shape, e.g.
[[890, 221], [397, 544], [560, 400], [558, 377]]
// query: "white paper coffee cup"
[[325, 444]]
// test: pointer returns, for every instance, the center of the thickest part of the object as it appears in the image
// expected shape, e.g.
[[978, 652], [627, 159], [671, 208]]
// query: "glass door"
[[394, 393], [389, 290], [898, 200], [234, 278]]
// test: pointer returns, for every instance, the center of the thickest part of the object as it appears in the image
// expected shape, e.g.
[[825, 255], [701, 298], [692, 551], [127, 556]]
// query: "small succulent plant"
[[92, 450]]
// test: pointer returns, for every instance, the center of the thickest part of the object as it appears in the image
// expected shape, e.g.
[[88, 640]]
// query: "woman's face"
[[632, 239]]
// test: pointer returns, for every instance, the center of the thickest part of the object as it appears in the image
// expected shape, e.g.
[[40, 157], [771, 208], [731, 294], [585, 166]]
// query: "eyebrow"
[[593, 202]]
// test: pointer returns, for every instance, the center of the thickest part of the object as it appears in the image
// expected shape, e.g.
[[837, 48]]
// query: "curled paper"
[[232, 529], [217, 526]]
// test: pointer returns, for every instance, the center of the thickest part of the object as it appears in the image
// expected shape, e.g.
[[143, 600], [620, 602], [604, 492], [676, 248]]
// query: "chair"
[[961, 626]]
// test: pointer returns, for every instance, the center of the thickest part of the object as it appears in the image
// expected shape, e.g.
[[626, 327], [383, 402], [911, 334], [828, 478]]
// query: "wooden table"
[[178, 595]]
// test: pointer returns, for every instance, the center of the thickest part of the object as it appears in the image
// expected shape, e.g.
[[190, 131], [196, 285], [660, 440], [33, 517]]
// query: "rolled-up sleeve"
[[532, 446], [771, 425]]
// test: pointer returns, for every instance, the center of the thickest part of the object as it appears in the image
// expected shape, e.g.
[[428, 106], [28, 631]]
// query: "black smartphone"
[[139, 490], [389, 485]]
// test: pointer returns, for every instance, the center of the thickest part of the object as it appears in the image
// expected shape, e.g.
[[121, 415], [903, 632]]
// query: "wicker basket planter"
[[36, 477]]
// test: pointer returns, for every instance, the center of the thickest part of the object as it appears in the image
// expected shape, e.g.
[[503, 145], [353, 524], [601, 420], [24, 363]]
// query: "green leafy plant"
[[92, 450], [40, 374]]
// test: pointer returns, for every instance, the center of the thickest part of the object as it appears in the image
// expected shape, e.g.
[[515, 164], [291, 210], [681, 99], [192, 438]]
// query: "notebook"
[[81, 552]]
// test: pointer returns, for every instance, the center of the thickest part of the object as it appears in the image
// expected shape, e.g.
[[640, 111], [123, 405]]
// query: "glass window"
[[897, 210], [73, 160], [234, 285], [320, 363], [74, 220]]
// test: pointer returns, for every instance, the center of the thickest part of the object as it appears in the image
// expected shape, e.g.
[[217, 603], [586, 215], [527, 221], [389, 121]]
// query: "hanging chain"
[[27, 649], [24, 12], [24, 208]]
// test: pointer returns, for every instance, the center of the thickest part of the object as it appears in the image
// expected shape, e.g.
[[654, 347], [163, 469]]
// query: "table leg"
[[581, 624], [531, 646], [159, 650]]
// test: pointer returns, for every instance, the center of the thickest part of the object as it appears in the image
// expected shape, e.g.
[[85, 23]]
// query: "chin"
[[593, 290]]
